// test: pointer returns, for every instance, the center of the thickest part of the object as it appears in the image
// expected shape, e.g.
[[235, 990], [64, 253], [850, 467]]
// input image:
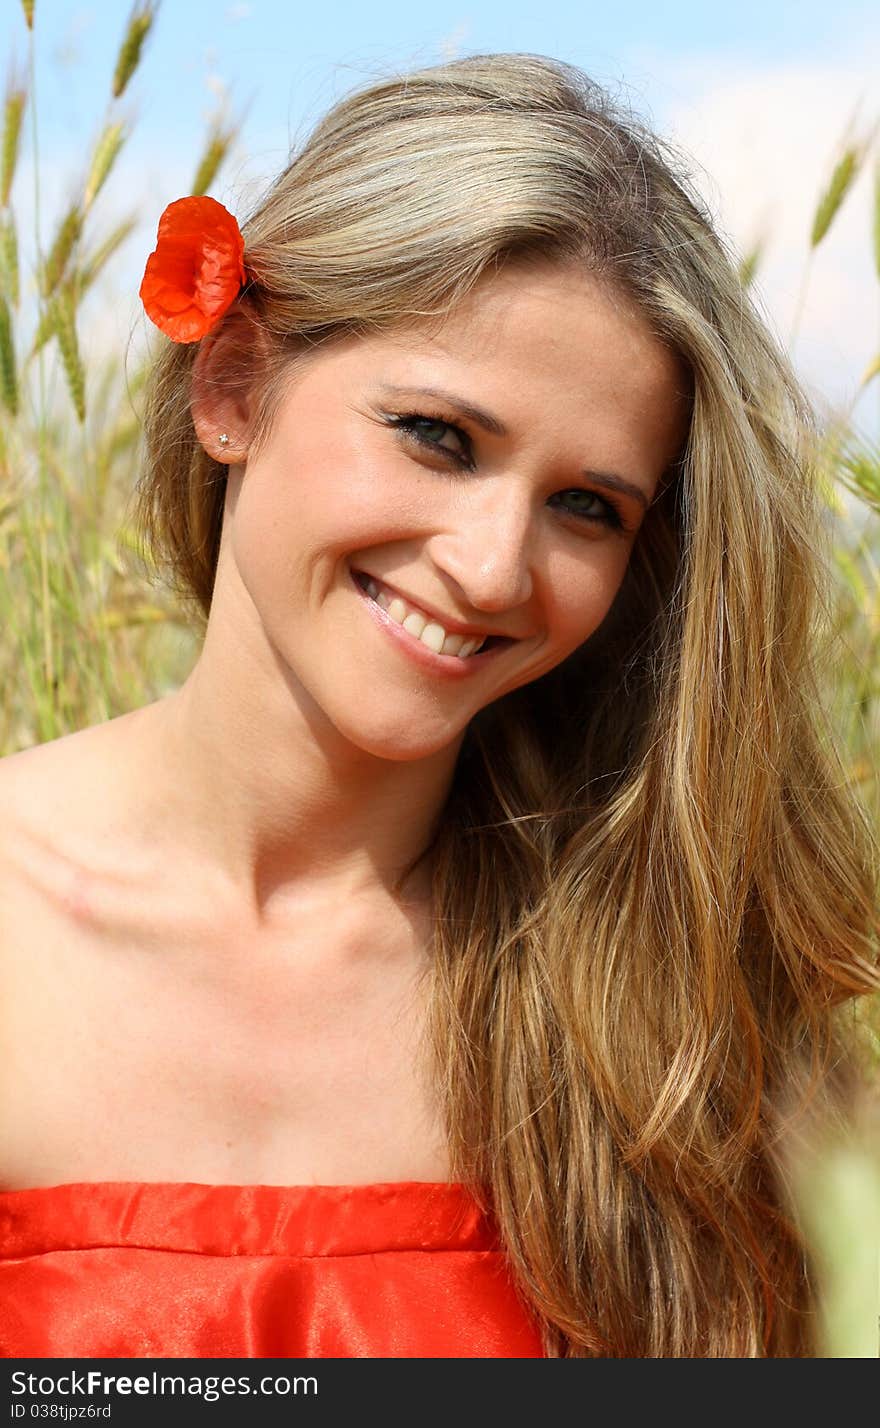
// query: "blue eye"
[[410, 427], [411, 424]]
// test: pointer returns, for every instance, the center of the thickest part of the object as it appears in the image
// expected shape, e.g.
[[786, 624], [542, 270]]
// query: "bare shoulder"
[[46, 787], [37, 791], [59, 802], [43, 774]]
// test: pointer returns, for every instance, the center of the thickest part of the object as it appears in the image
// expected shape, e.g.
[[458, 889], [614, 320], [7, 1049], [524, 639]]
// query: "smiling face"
[[509, 505]]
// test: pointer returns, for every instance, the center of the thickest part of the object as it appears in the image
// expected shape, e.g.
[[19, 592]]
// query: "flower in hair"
[[197, 268]]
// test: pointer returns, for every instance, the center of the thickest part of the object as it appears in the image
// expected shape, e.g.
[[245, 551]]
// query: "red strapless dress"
[[129, 1269]]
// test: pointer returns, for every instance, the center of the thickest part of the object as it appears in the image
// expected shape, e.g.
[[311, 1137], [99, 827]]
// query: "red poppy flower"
[[196, 270]]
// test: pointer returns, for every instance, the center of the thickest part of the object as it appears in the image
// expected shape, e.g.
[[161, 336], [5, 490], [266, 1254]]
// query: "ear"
[[224, 377]]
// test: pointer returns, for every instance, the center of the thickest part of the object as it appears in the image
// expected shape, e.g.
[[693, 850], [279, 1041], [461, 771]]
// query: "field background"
[[111, 112]]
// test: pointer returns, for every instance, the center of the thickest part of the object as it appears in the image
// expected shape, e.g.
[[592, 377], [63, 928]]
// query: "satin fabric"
[[124, 1269]]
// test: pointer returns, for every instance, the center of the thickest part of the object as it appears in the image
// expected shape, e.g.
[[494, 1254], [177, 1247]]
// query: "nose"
[[486, 547]]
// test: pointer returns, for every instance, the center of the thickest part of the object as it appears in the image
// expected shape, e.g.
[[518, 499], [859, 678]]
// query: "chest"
[[161, 1047]]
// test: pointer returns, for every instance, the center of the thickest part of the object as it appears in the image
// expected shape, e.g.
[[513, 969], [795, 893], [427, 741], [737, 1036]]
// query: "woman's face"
[[496, 522]]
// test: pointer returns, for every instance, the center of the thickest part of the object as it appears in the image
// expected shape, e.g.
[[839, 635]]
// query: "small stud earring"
[[223, 439]]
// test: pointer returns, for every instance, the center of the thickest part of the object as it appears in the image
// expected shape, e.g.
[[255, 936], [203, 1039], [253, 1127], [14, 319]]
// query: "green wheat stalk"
[[831, 199], [13, 114], [875, 225], [55, 265], [64, 326], [79, 282], [838, 187], [93, 265], [9, 258], [843, 176], [103, 159], [139, 25], [748, 267], [217, 147], [8, 379]]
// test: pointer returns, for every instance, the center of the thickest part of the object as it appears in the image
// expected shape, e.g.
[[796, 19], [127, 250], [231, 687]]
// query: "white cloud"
[[766, 138]]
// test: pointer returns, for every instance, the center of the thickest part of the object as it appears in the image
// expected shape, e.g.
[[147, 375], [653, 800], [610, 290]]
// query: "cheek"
[[580, 593], [301, 512], [265, 515]]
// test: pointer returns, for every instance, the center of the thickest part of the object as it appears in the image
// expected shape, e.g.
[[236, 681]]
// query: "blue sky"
[[288, 60], [756, 95]]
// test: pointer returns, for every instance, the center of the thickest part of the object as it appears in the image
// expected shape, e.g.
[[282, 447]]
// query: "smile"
[[443, 649]]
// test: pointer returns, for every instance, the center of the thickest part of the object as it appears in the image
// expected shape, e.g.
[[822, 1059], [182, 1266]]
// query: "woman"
[[558, 921]]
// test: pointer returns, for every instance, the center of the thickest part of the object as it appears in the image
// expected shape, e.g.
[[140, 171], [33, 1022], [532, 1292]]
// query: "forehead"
[[546, 331]]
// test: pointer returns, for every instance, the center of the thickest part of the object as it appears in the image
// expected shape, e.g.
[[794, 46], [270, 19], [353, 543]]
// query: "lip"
[[449, 665]]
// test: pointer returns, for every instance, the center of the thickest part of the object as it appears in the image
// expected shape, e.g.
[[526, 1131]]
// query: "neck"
[[258, 784]]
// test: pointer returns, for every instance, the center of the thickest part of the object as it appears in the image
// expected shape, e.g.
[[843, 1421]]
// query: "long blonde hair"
[[654, 890]]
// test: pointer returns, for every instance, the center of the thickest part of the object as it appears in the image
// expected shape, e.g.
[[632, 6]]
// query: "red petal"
[[196, 270]]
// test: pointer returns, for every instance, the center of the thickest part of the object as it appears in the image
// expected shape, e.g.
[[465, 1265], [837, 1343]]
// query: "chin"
[[410, 749], [399, 741]]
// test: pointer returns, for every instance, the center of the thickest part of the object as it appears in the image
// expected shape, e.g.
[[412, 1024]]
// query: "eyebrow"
[[490, 423]]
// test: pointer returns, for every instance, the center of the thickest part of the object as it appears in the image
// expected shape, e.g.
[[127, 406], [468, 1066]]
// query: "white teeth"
[[433, 636], [428, 631], [415, 623]]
